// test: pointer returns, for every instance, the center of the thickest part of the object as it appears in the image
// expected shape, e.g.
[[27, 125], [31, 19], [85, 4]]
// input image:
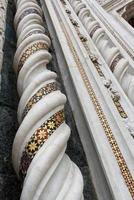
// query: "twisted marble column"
[[118, 64], [39, 146]]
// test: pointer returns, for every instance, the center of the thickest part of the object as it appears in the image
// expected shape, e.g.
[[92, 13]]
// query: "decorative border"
[[94, 60], [29, 51], [33, 32], [27, 12], [119, 108], [47, 89], [108, 132], [37, 140], [115, 35]]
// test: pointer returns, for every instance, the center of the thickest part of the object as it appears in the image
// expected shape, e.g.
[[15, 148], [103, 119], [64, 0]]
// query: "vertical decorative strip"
[[108, 132]]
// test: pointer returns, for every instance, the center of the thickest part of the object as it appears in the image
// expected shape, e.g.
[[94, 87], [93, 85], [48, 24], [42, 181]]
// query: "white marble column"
[[39, 146]]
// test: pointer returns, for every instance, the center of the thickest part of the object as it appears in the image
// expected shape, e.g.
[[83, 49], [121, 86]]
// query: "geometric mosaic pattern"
[[38, 139], [34, 32], [126, 174], [50, 87], [31, 50], [27, 12]]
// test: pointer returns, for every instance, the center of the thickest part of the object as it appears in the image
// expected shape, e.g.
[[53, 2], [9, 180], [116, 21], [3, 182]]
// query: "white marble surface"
[[51, 174], [107, 45], [103, 165]]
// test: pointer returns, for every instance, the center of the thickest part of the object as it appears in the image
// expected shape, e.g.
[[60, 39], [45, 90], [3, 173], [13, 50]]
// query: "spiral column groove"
[[39, 147]]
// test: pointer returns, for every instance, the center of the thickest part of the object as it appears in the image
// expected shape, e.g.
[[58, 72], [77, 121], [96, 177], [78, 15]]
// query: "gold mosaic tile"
[[31, 50], [37, 140], [50, 87], [128, 178]]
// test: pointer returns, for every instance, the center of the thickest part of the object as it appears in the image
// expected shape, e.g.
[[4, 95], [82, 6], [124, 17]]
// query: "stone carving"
[[107, 82], [122, 10], [72, 47], [39, 147], [112, 55], [127, 11], [130, 126], [126, 174]]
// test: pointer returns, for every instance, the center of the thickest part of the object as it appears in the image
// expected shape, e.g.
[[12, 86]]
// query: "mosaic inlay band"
[[111, 138], [31, 50], [33, 32], [37, 140], [115, 61], [50, 87], [27, 12], [95, 62], [120, 108], [116, 103]]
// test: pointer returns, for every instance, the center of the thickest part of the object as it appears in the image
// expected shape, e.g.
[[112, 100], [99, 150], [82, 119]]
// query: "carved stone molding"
[[83, 70], [118, 63]]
